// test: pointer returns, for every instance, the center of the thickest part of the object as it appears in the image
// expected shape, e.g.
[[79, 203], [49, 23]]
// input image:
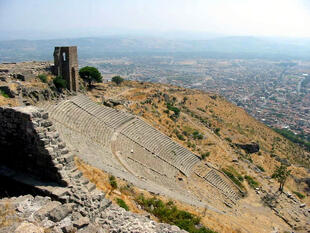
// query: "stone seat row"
[[88, 149], [79, 120], [83, 132], [99, 122], [129, 148], [153, 172], [142, 133], [153, 175], [89, 125], [161, 145], [218, 182], [113, 118]]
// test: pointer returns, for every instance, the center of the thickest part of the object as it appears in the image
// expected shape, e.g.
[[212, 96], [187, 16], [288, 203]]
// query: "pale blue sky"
[[72, 18]]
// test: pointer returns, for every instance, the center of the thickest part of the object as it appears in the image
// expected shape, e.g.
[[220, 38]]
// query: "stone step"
[[77, 174], [60, 192], [68, 157], [90, 186]]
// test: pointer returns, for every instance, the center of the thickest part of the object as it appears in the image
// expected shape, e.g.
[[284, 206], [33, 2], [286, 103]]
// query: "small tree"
[[90, 74], [59, 82], [117, 79], [113, 182], [280, 174]]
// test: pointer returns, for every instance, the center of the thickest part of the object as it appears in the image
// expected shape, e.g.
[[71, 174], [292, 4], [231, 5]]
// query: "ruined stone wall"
[[66, 65], [29, 142]]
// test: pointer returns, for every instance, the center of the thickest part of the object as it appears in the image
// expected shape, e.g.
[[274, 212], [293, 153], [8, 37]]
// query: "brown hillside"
[[209, 126], [205, 112]]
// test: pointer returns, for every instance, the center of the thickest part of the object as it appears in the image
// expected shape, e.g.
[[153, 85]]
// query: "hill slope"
[[213, 129]]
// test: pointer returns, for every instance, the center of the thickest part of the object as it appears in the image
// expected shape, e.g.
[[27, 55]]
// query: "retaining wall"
[[30, 143]]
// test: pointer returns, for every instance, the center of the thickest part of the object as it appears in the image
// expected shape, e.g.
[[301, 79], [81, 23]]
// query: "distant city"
[[269, 78], [275, 92]]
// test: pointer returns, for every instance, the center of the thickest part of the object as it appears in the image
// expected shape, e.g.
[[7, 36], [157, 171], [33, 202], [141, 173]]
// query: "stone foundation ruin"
[[33, 156]]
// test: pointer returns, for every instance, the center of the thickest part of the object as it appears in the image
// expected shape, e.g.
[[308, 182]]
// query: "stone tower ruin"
[[66, 65]]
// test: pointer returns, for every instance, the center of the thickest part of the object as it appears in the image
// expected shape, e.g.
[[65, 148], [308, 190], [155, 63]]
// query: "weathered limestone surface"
[[288, 207], [23, 71], [29, 142], [76, 205], [123, 145], [41, 214]]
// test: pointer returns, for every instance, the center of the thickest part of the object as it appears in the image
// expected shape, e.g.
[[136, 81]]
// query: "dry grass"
[[8, 102], [234, 123], [7, 215], [101, 179]]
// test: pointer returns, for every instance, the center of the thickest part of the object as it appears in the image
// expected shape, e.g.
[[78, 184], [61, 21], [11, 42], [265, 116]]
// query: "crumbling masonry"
[[66, 65]]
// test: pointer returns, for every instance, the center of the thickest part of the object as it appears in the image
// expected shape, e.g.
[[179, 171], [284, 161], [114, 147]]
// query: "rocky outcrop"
[[23, 71], [249, 148], [8, 91], [41, 214], [287, 206], [112, 102]]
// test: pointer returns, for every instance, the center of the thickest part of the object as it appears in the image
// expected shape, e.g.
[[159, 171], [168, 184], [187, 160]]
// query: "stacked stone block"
[[29, 142], [32, 145], [66, 65]]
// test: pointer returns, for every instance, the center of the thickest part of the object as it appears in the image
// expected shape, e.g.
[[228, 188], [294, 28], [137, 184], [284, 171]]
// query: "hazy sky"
[[71, 18]]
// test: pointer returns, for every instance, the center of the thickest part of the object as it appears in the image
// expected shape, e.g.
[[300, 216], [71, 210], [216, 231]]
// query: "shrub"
[[122, 204], [252, 182], [205, 155], [233, 178], [113, 182], [43, 78], [174, 109], [197, 135], [59, 82], [169, 213], [117, 79], [299, 195], [260, 168], [228, 139], [127, 189], [201, 109], [4, 94], [180, 137], [217, 131]]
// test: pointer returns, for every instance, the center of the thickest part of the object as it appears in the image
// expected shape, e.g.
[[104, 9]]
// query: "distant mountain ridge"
[[223, 47]]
